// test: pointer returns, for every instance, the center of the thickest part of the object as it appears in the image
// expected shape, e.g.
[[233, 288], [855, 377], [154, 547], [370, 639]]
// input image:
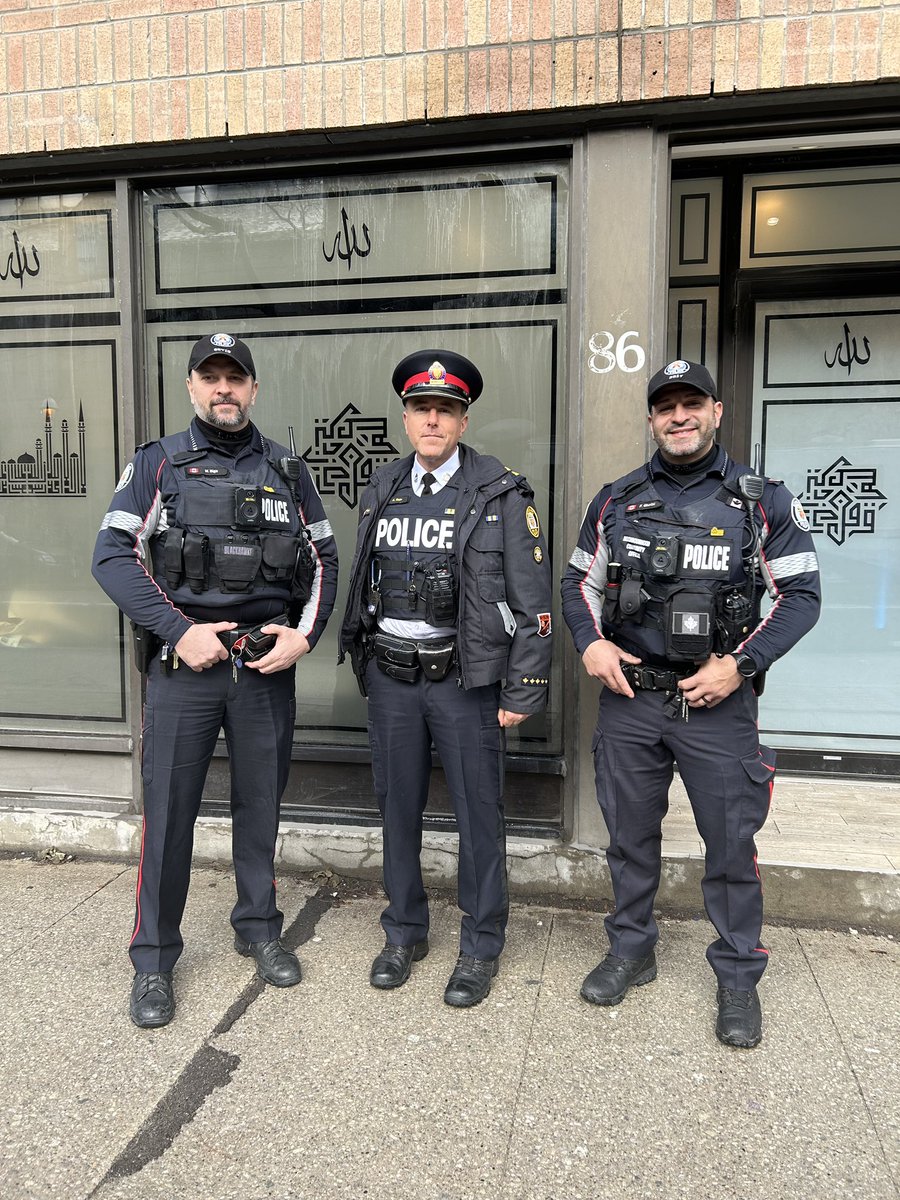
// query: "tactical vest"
[[230, 534], [678, 587], [411, 572]]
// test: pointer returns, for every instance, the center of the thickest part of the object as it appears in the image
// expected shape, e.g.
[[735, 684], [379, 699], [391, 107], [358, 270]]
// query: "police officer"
[[661, 596], [217, 547], [448, 627]]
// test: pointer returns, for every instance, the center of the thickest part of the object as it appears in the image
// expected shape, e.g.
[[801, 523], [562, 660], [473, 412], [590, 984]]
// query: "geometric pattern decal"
[[842, 500], [345, 452]]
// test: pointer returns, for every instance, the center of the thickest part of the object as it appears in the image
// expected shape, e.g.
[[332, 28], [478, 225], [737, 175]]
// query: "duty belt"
[[403, 658], [654, 679]]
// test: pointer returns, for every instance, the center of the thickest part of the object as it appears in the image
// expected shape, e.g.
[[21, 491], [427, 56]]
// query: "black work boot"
[[392, 966], [609, 982], [739, 1022], [470, 981], [152, 1001], [274, 964]]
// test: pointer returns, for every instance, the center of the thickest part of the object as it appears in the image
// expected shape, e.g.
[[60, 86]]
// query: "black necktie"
[[427, 481]]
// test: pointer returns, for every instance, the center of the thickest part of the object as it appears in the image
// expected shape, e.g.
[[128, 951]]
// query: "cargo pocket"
[[491, 762], [494, 621], [756, 791], [147, 744]]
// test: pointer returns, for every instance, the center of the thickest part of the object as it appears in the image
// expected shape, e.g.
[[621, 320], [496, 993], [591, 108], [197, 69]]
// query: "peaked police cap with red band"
[[438, 373]]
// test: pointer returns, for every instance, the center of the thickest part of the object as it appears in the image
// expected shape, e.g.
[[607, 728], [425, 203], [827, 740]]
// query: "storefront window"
[[332, 282], [61, 664]]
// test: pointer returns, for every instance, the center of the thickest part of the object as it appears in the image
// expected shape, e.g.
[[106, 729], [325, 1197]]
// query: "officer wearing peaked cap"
[[662, 597], [217, 547], [448, 627]]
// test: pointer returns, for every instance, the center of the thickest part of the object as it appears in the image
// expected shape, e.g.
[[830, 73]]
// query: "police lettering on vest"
[[419, 533]]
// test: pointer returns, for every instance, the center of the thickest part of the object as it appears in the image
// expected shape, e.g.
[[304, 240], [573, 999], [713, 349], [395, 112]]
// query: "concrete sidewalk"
[[334, 1089]]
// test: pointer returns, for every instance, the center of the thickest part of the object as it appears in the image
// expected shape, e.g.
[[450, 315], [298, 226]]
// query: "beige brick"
[[372, 39], [4, 89], [749, 9], [195, 41], [821, 33], [15, 65], [159, 48], [414, 73], [498, 79], [586, 71], [140, 53], [373, 92], [498, 23], [53, 130], [126, 10], [34, 123], [655, 14], [394, 98], [353, 95], [234, 45], [293, 33], [333, 97], [71, 132], [677, 62], [197, 107], [726, 10], [123, 116], [88, 123], [87, 64], [798, 7], [890, 44], [332, 43], [477, 85], [541, 76], [771, 67], [541, 20], [273, 100], [774, 8], [748, 56], [868, 48], [702, 11], [215, 51], [236, 104], [104, 51], [632, 66], [393, 26], [520, 79], [82, 14], [215, 105], [476, 22], [253, 40], [254, 87], [312, 114], [654, 77], [180, 6], [725, 43], [563, 19], [33, 66], [160, 110], [24, 22], [844, 56], [106, 119], [632, 14], [352, 30], [122, 53], [585, 16], [273, 36], [821, 6], [414, 29], [294, 81], [457, 18], [563, 74], [457, 95], [519, 20], [797, 40], [435, 87], [5, 147], [609, 81], [68, 61], [312, 33], [679, 12]]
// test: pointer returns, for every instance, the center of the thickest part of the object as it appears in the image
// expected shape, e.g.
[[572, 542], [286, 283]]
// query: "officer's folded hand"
[[602, 659], [717, 678], [200, 646], [290, 645]]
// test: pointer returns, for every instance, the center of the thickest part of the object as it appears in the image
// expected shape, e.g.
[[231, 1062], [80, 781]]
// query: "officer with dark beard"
[[448, 626], [662, 597], [217, 547]]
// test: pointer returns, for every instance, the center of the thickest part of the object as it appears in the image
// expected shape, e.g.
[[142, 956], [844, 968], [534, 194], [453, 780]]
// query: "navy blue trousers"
[[728, 777], [404, 720], [183, 714]]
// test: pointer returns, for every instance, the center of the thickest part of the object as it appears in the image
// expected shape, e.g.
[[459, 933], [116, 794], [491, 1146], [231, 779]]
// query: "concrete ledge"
[[796, 892]]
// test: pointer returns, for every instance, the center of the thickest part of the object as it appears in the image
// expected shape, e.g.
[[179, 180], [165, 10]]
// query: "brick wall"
[[118, 72]]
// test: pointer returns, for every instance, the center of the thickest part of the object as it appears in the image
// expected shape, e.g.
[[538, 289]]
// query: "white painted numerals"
[[608, 352]]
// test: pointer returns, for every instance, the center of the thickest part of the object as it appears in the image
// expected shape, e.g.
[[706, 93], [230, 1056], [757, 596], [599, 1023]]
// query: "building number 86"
[[607, 352]]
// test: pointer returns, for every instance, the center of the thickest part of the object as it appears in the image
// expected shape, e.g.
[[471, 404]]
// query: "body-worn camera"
[[247, 507], [440, 595], [664, 557]]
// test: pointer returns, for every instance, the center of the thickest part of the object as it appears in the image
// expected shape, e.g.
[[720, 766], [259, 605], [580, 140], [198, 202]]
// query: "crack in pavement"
[[209, 1068]]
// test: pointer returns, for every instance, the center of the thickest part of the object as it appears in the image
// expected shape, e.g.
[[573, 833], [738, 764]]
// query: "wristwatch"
[[745, 665]]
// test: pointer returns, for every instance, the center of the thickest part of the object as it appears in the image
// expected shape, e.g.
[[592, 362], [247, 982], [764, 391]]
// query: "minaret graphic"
[[48, 472]]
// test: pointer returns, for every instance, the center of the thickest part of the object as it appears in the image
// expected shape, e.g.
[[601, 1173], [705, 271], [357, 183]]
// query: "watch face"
[[746, 666]]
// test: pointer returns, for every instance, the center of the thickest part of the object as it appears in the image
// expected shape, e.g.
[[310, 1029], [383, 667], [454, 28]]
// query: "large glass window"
[[332, 282], [61, 664]]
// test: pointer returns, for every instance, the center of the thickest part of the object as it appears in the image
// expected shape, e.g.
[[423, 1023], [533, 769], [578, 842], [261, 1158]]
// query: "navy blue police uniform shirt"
[[122, 564], [788, 561]]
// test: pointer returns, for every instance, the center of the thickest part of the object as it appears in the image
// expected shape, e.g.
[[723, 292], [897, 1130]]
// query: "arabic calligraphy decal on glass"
[[17, 264], [842, 500], [345, 451], [847, 353], [345, 244]]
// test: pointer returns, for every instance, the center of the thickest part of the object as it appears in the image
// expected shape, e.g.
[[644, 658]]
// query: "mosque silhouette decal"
[[49, 471]]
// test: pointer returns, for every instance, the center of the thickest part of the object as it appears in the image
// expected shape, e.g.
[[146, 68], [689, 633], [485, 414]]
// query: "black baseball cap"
[[222, 343], [688, 374], [438, 372]]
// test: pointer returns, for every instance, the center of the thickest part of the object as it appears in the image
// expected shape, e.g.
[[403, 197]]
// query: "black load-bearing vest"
[[683, 590], [230, 533], [411, 569]]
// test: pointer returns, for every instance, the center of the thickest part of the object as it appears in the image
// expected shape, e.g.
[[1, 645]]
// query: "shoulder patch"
[[798, 516], [531, 520], [126, 477]]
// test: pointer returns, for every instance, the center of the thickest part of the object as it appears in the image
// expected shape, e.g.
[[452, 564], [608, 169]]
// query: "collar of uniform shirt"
[[442, 475]]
